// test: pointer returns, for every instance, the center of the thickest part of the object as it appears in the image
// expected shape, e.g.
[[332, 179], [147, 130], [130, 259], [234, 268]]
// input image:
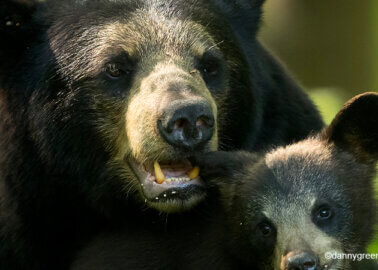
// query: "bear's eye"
[[210, 66], [266, 229], [210, 69], [324, 213], [113, 71]]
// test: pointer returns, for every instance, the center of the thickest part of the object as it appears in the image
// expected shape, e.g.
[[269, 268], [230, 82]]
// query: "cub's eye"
[[323, 216], [324, 213], [266, 229]]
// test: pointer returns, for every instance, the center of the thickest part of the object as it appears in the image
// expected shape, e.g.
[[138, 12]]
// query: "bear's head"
[[304, 205], [130, 90]]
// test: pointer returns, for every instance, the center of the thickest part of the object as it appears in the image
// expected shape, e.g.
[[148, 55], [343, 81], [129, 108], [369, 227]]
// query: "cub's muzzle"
[[300, 261]]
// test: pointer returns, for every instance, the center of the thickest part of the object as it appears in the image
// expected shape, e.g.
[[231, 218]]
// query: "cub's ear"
[[355, 127], [223, 164]]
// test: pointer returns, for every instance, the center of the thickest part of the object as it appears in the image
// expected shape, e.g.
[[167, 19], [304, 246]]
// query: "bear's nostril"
[[180, 123], [187, 125], [204, 121]]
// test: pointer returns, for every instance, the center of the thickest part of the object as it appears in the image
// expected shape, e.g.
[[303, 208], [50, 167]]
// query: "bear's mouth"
[[169, 182], [173, 172]]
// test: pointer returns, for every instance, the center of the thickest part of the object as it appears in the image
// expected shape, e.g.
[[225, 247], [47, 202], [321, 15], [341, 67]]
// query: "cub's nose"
[[301, 261], [187, 125]]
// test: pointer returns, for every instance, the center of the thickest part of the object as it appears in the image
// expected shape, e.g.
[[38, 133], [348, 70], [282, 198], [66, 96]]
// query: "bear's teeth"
[[194, 172], [177, 179], [159, 175]]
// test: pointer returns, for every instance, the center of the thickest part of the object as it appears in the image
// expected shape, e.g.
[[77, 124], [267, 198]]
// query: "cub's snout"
[[300, 260]]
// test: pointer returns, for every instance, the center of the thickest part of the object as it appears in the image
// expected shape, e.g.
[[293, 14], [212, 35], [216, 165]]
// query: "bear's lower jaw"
[[181, 189]]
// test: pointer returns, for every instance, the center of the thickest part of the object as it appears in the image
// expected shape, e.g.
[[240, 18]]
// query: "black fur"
[[57, 187], [16, 30]]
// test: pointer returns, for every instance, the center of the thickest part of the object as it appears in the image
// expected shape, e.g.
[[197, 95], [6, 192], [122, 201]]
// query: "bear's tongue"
[[175, 171]]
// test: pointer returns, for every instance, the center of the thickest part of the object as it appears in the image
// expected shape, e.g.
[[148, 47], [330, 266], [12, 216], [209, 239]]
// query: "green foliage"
[[374, 245], [329, 101]]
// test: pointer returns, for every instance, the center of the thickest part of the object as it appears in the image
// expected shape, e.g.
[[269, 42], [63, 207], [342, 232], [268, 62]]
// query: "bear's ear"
[[223, 164], [244, 15], [243, 3], [355, 127]]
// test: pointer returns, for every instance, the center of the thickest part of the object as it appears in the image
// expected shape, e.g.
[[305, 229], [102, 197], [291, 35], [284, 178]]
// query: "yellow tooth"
[[194, 172], [159, 175]]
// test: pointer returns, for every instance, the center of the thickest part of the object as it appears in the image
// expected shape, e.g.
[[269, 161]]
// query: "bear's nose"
[[187, 125], [301, 261]]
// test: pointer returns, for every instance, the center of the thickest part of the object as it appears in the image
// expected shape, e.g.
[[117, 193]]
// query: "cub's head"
[[131, 89], [298, 206]]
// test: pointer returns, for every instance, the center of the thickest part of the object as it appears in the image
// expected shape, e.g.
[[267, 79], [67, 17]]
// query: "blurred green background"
[[330, 47]]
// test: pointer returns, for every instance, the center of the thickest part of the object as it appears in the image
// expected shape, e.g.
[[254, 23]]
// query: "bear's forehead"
[[302, 165], [303, 174], [145, 34], [140, 27], [148, 33]]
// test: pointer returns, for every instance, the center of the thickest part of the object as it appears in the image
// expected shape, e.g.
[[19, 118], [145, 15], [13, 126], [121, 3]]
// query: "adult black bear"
[[299, 207], [102, 102]]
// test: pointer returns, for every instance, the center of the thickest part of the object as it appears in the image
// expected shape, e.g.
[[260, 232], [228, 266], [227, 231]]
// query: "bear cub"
[[306, 205], [297, 207]]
